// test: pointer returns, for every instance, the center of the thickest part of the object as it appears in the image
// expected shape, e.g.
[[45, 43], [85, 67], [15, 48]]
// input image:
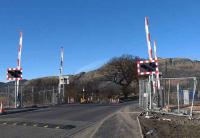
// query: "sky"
[[92, 32]]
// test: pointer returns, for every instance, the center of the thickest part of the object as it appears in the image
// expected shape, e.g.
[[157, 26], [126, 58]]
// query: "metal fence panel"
[[28, 96], [176, 96]]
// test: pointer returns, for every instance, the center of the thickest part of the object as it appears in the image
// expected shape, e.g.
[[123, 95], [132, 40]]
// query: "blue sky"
[[93, 31]]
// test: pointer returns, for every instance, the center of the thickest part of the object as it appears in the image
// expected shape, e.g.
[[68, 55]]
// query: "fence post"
[[46, 93], [44, 97], [8, 101], [32, 90], [178, 97], [21, 97], [195, 85], [139, 94], [53, 96], [168, 94], [63, 99], [149, 91]]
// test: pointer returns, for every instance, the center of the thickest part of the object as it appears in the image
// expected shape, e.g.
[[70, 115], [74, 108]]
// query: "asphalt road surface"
[[87, 120]]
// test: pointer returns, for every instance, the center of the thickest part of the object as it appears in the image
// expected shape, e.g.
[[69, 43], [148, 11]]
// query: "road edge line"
[[100, 123], [140, 128]]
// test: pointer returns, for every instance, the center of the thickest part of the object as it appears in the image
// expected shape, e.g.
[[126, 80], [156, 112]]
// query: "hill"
[[179, 67], [117, 78]]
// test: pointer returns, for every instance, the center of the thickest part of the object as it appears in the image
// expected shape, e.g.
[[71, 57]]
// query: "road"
[[62, 121]]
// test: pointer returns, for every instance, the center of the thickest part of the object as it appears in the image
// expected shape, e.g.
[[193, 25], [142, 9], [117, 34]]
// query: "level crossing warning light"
[[14, 74], [147, 67]]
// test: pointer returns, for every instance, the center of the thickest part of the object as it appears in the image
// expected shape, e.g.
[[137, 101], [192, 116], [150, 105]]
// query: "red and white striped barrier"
[[148, 38], [62, 60], [19, 64], [19, 51], [157, 82], [157, 69]]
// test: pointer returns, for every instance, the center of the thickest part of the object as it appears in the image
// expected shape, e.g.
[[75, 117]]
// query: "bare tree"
[[122, 71]]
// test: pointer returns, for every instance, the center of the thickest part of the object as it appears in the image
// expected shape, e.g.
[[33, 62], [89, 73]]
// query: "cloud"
[[91, 66]]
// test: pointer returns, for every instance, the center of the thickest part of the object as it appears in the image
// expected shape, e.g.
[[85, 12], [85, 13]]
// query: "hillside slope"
[[179, 67], [116, 78]]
